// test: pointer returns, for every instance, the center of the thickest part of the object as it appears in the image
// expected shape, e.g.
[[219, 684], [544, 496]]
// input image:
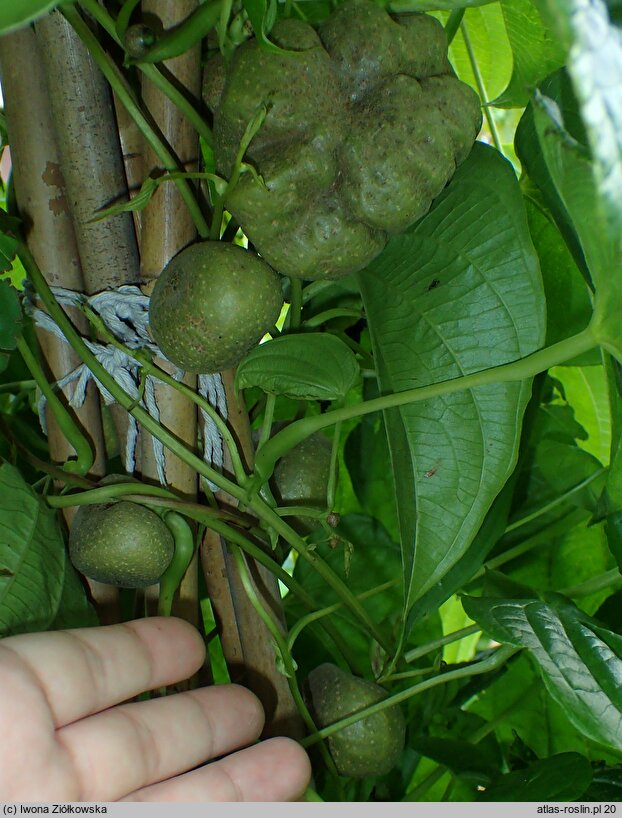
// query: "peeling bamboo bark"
[[41, 197], [246, 641], [92, 166], [131, 140], [132, 147], [167, 227], [90, 153]]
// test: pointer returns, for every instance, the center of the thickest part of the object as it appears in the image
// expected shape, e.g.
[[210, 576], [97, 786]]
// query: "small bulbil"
[[211, 304], [301, 475], [122, 544], [371, 746]]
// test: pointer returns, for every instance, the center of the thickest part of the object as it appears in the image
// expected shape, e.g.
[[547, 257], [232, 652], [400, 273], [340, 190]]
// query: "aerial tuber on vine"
[[371, 746], [211, 304], [366, 123], [120, 543]]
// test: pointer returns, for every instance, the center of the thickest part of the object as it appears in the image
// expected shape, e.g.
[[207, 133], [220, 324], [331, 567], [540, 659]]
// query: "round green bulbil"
[[122, 544], [211, 304], [301, 475], [371, 746]]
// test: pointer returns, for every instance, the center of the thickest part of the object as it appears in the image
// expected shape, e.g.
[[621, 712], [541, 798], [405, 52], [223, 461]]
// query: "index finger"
[[86, 670]]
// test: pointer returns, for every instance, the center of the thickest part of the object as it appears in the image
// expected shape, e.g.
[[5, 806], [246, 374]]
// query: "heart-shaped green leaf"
[[309, 366]]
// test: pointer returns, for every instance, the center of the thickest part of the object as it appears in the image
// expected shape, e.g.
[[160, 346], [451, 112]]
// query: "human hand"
[[68, 736]]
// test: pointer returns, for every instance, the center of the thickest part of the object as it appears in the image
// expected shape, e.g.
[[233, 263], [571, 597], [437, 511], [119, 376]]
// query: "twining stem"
[[497, 659], [295, 303], [608, 579], [289, 667], [223, 522], [328, 315], [238, 166], [423, 650], [266, 425], [171, 579], [149, 368], [453, 24], [152, 73], [553, 504], [518, 370], [67, 425], [18, 386], [331, 488], [119, 85], [322, 612], [481, 87]]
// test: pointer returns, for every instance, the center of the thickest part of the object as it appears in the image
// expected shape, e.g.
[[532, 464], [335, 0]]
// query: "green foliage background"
[[479, 521]]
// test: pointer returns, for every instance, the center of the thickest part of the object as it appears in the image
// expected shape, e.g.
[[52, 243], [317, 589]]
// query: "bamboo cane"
[[246, 641], [90, 153], [42, 201], [91, 163], [166, 228]]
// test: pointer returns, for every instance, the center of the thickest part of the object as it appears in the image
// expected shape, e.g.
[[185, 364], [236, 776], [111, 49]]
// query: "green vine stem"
[[288, 665], [239, 166], [608, 579], [295, 303], [186, 34], [456, 636], [553, 504], [518, 370], [152, 73], [302, 623], [331, 488], [453, 24], [148, 367], [492, 662], [408, 674], [71, 431], [216, 519], [184, 551], [17, 386], [479, 81], [266, 426], [120, 87], [300, 511], [328, 315]]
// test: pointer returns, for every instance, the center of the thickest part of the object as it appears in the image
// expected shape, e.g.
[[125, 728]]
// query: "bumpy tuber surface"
[[366, 124]]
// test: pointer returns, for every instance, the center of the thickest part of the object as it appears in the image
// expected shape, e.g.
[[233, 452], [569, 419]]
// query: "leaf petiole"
[[518, 370]]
